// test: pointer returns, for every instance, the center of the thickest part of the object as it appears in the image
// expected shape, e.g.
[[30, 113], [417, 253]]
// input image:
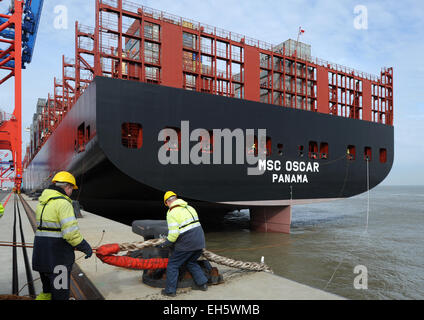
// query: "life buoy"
[[106, 254]]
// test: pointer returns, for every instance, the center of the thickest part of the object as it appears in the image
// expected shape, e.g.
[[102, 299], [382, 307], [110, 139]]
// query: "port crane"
[[18, 34]]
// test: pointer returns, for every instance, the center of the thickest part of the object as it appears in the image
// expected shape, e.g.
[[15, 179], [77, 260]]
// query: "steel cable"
[[15, 279], [28, 268]]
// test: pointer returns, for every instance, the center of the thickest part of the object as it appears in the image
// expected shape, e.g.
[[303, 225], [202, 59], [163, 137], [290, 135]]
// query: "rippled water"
[[328, 240]]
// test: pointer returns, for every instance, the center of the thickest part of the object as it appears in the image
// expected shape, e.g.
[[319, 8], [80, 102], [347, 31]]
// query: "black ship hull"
[[117, 180]]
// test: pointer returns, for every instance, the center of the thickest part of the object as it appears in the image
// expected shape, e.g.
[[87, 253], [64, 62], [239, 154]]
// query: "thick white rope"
[[253, 266]]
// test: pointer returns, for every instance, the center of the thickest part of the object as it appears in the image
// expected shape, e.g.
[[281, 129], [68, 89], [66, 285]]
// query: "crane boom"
[[30, 23], [18, 33]]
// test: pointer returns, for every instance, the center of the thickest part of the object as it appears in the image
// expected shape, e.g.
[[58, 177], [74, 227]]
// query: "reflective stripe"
[[48, 234], [174, 224], [186, 222], [49, 224], [189, 227], [173, 231], [66, 220], [70, 229]]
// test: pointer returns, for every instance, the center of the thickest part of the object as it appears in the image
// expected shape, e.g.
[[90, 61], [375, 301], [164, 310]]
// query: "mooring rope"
[[140, 245], [253, 266]]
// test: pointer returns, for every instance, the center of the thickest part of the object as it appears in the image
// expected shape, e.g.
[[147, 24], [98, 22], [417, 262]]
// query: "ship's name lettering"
[[290, 166], [289, 178], [295, 170]]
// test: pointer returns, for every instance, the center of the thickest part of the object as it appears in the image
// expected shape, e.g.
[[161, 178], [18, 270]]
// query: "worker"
[[56, 238], [1, 210], [348, 154], [252, 149], [186, 236]]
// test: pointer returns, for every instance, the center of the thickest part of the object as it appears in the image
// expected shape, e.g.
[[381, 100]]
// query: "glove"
[[86, 248], [166, 244]]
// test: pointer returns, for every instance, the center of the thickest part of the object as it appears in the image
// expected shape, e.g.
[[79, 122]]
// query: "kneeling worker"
[[56, 238], [186, 234]]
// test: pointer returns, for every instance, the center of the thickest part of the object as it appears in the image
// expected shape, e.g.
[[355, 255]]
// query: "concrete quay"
[[116, 283]]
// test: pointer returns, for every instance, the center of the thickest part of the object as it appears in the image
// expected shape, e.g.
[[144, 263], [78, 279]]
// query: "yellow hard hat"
[[168, 195], [64, 176]]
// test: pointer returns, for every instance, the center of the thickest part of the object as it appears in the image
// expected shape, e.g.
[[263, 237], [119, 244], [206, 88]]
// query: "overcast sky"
[[394, 38]]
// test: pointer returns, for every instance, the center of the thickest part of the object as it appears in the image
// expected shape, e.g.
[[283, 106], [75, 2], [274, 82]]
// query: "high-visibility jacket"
[[57, 231], [184, 228], [1, 210]]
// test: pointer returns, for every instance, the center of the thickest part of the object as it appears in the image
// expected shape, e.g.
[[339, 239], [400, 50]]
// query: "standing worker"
[[186, 234], [1, 210], [56, 238]]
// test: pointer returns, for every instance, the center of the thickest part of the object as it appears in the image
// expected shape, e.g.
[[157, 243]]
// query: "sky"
[[391, 36]]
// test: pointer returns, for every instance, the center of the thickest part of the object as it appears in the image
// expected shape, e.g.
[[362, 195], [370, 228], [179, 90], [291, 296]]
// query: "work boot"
[[44, 296], [203, 287], [168, 294]]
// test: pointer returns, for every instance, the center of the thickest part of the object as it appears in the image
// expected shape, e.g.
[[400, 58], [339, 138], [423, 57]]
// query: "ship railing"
[[237, 56], [69, 73], [153, 13], [208, 29], [222, 74], [112, 3], [70, 61], [170, 18], [152, 75], [127, 23], [221, 53], [86, 44], [238, 77], [107, 50], [130, 6], [86, 76], [151, 58], [206, 49], [344, 69], [236, 37], [189, 23], [108, 39], [154, 35], [85, 29], [109, 22]]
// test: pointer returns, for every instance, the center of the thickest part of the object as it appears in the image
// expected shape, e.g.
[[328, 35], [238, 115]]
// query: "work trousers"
[[57, 284], [177, 259]]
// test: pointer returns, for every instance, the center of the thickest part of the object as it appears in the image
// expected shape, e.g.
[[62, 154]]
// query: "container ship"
[[155, 102]]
